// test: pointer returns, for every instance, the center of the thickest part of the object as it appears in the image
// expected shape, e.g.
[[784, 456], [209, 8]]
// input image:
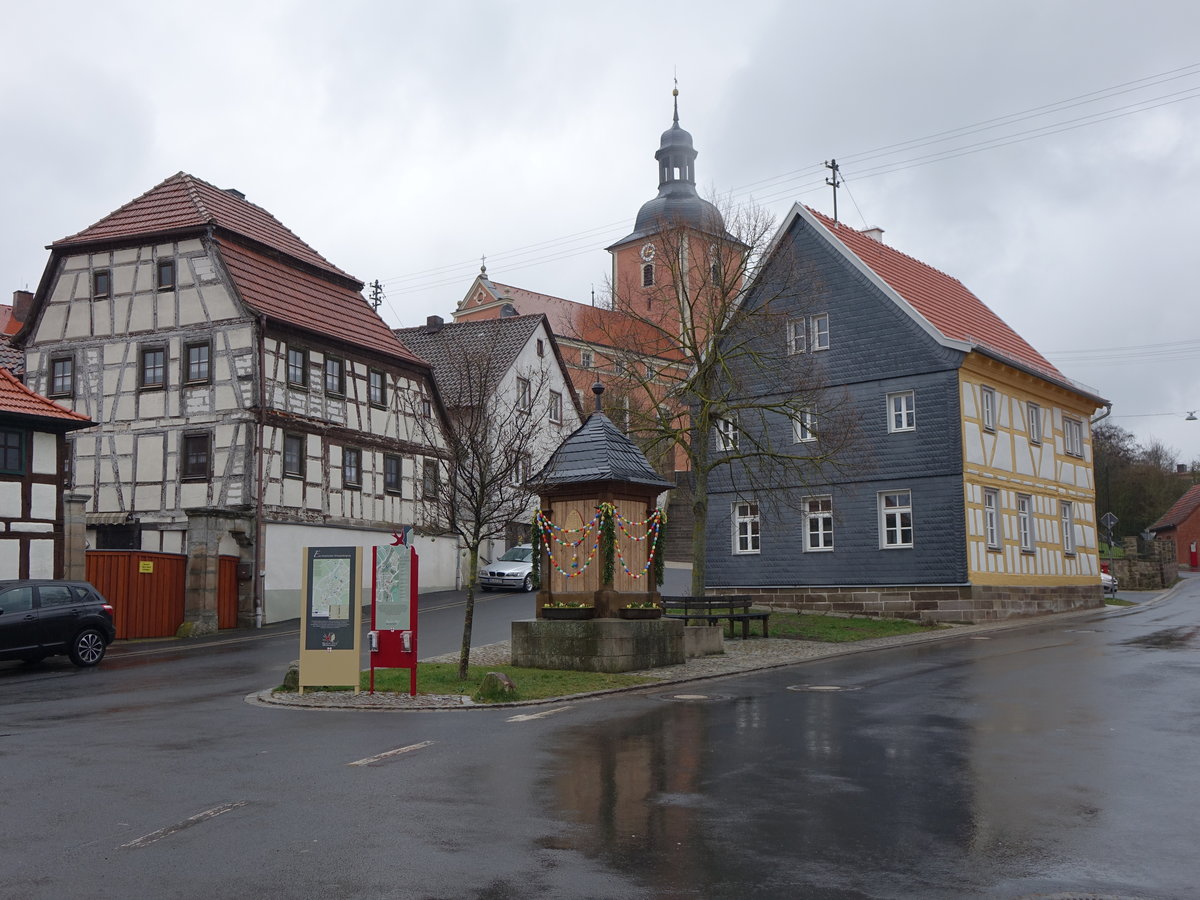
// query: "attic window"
[[541, 347], [102, 283], [166, 274]]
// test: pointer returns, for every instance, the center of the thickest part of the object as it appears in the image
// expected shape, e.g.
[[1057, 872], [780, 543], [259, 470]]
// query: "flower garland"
[[549, 537], [653, 525], [546, 535]]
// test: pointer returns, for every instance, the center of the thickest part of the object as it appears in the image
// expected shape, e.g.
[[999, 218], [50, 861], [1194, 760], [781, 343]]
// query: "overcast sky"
[[1047, 154]]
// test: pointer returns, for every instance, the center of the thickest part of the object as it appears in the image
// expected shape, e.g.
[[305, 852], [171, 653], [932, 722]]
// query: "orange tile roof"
[[944, 301], [16, 399], [184, 202], [288, 294], [1180, 510]]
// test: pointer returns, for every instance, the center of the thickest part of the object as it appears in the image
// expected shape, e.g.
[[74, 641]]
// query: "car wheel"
[[88, 647], [527, 584]]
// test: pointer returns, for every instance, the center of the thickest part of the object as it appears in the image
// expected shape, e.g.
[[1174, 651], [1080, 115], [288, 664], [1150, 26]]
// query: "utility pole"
[[833, 183], [376, 294]]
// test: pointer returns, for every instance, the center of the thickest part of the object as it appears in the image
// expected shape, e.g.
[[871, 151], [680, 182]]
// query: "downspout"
[[1105, 415], [260, 536]]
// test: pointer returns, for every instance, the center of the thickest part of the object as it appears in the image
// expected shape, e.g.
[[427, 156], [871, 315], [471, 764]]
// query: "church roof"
[[18, 400], [598, 451]]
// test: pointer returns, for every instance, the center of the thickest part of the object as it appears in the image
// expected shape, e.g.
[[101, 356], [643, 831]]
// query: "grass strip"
[[839, 629]]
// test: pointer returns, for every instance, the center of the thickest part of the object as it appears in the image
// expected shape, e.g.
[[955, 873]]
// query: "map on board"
[[332, 589], [393, 588]]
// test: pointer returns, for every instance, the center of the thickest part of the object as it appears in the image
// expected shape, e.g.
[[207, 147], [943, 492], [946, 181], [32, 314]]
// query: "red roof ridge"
[[1179, 510]]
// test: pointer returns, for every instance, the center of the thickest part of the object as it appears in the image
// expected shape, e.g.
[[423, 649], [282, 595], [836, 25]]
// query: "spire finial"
[[675, 94], [483, 264], [597, 389]]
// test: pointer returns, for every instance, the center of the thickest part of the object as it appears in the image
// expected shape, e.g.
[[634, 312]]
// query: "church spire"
[[676, 156]]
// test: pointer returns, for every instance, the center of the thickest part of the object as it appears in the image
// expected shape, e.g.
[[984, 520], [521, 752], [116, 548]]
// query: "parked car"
[[513, 570], [1108, 583], [40, 618]]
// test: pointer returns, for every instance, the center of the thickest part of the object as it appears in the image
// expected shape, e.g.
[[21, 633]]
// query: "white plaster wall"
[[41, 559], [45, 453], [10, 499], [44, 501], [10, 559]]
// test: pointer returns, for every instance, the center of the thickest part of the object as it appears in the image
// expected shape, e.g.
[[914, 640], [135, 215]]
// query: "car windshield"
[[517, 554]]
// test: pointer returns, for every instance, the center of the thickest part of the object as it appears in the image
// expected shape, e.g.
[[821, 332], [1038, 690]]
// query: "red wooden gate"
[[227, 592], [145, 589]]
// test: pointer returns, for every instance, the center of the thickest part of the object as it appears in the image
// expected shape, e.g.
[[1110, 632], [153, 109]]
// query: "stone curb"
[[806, 651]]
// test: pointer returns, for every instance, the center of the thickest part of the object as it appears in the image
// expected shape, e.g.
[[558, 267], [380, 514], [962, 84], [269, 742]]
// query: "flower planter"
[[635, 613], [568, 613]]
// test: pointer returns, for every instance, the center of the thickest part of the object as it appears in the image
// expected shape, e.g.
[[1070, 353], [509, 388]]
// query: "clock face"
[[648, 252]]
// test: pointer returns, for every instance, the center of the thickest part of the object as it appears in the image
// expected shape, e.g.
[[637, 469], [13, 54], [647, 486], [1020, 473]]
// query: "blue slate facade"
[[875, 348]]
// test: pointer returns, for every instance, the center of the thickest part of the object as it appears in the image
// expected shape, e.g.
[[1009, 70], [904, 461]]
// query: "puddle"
[[1168, 639]]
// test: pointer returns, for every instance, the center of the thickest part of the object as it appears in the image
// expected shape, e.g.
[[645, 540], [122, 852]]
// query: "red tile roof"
[[944, 301], [299, 298], [184, 202], [18, 400], [1180, 510]]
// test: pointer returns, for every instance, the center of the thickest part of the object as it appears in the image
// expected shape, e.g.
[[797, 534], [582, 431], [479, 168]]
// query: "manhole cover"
[[821, 688], [690, 697]]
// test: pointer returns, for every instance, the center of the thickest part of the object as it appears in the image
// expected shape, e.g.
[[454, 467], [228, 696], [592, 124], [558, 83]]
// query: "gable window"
[[351, 467], [1072, 436], [524, 395], [521, 469], [165, 274], [335, 375], [426, 407], [62, 376], [297, 367], [796, 330], [197, 363], [727, 434], [1067, 513], [804, 427], [820, 332], [293, 455], [745, 528], [197, 457], [1033, 413], [648, 275], [895, 519], [392, 479], [987, 402], [541, 347], [556, 406], [819, 517], [991, 518], [1025, 522], [586, 359], [12, 451], [429, 479], [377, 388], [153, 370], [902, 411], [102, 283]]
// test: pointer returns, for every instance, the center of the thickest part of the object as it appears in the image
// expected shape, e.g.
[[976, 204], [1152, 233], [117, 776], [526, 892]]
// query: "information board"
[[393, 588], [332, 595]]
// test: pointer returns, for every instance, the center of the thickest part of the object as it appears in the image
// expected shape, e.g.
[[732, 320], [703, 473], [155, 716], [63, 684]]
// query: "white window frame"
[[556, 407], [524, 395], [1033, 418], [891, 520], [902, 411], [818, 522], [1072, 436], [1066, 513], [819, 332], [991, 518], [804, 427], [746, 527], [727, 435], [987, 408], [587, 359], [1025, 522], [797, 330]]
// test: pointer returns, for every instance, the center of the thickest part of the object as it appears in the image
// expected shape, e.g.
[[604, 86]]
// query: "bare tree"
[[706, 346], [490, 445]]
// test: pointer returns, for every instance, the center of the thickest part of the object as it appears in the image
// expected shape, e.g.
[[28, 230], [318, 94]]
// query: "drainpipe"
[[260, 536], [1100, 418]]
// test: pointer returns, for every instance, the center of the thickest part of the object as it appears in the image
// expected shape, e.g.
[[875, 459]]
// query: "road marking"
[[147, 839], [380, 756], [541, 715]]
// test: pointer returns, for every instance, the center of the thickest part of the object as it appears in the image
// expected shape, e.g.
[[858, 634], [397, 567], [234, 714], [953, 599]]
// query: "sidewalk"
[[740, 656]]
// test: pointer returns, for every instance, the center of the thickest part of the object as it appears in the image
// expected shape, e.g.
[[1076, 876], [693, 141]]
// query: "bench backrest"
[[731, 603]]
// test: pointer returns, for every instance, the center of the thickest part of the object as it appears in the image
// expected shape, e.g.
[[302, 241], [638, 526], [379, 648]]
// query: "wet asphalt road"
[[1053, 760]]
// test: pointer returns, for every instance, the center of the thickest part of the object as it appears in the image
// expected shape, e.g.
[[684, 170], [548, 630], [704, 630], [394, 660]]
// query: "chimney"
[[1180, 469], [875, 234], [235, 193], [22, 301], [434, 324]]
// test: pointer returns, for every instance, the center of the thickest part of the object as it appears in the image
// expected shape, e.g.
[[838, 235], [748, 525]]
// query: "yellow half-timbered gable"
[[1029, 494]]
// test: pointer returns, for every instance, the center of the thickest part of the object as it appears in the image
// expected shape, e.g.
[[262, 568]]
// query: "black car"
[[41, 618]]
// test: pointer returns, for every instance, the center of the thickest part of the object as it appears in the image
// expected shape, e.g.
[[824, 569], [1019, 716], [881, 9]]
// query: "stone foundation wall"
[[925, 603], [597, 645], [1146, 566]]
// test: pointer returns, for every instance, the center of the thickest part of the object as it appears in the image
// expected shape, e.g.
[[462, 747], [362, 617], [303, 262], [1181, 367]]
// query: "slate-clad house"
[[973, 494], [515, 366], [34, 514], [251, 401]]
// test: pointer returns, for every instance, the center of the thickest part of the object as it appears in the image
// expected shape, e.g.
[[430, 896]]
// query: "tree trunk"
[[464, 655], [699, 528]]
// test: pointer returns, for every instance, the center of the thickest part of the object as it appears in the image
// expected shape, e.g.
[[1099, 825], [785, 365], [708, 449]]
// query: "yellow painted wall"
[[1008, 461]]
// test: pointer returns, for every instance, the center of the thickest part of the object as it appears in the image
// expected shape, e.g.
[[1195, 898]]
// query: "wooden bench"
[[734, 608]]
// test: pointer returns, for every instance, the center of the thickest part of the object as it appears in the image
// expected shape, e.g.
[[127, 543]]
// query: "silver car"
[[513, 570]]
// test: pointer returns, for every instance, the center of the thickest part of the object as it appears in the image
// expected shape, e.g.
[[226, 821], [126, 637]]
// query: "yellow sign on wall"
[[145, 567]]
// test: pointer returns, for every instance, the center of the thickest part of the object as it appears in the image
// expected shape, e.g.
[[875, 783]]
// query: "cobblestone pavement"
[[740, 655]]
